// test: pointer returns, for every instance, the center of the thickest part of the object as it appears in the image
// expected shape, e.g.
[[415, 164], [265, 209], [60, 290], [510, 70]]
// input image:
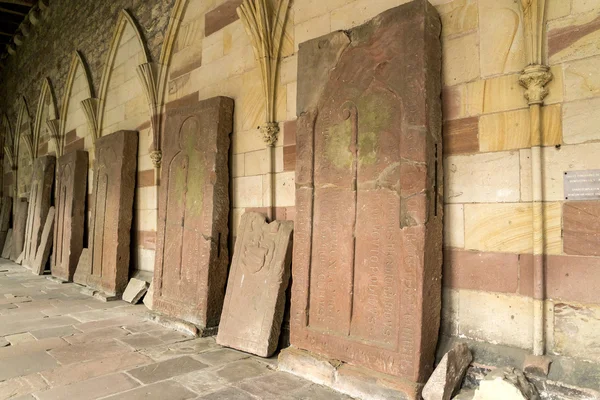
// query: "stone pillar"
[[368, 242]]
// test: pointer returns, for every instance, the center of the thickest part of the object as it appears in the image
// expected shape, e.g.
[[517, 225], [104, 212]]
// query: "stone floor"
[[57, 343]]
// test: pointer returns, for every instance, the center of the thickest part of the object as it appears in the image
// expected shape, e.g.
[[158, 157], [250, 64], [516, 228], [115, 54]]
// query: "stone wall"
[[488, 274]]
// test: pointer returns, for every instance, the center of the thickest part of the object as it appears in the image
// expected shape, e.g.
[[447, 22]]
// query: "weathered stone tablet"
[[191, 249], [112, 212], [5, 219], [7, 244], [40, 196], [19, 226], [368, 234], [259, 276], [43, 251], [71, 184]]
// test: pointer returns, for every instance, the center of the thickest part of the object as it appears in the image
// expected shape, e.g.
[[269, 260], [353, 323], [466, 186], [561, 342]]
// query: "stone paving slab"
[[66, 345]]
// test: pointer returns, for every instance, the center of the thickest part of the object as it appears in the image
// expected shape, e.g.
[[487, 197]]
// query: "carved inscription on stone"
[[367, 255], [191, 251], [259, 276], [40, 196], [112, 212], [71, 184], [19, 226]]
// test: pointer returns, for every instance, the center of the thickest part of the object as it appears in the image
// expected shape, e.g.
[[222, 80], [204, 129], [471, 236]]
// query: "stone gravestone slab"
[[43, 251], [259, 276], [5, 214], [191, 249], [71, 183], [19, 226], [368, 234], [39, 203], [112, 212], [7, 244]]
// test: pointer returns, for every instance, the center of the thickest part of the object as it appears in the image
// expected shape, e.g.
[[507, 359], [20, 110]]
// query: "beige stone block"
[[237, 165], [502, 48], [311, 29], [291, 95], [573, 37], [512, 129], [248, 191], [145, 142], [507, 228], [460, 59], [582, 79], [197, 8], [582, 6], [212, 53], [555, 86], [581, 121], [235, 37], [246, 141], [557, 9], [136, 106], [359, 12], [496, 318], [458, 16], [503, 93], [278, 154], [235, 221], [308, 9], [145, 198], [113, 115], [576, 321], [454, 225], [288, 70], [144, 259], [464, 100], [252, 101], [186, 60], [256, 163], [476, 178], [285, 189], [146, 220], [191, 33]]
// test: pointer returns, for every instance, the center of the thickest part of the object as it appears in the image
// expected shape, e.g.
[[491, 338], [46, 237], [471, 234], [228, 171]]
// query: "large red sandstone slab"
[[191, 249], [19, 226], [43, 252], [71, 184], [5, 214], [259, 276], [40, 196], [368, 235], [112, 212]]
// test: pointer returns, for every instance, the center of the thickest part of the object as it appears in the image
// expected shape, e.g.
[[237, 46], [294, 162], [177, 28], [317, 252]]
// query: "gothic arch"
[[24, 134], [46, 118]]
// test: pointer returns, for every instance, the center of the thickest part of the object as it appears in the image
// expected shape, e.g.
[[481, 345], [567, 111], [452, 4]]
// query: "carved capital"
[[156, 157], [535, 78], [270, 132]]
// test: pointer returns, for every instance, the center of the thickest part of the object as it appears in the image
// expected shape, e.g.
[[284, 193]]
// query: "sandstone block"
[[258, 279], [448, 375], [135, 290], [43, 251], [191, 246], [112, 212], [71, 192], [42, 181], [367, 203]]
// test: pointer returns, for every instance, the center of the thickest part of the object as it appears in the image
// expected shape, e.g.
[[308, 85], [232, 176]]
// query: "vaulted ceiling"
[[12, 15]]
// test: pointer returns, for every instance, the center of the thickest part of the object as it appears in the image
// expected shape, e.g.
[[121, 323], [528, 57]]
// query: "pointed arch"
[[79, 89], [125, 20], [24, 133], [46, 112], [8, 138], [23, 153]]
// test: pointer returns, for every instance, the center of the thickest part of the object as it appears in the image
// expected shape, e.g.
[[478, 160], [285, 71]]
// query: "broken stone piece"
[[506, 384], [259, 277], [7, 244], [43, 251], [136, 288], [448, 375]]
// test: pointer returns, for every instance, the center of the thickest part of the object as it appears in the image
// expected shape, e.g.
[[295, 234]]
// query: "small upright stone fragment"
[[448, 375], [506, 384], [149, 297], [7, 244], [259, 276], [43, 251], [112, 213], [136, 288], [71, 182], [40, 196], [5, 219], [19, 226]]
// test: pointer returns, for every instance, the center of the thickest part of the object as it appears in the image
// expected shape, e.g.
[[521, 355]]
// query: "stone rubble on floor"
[[61, 344]]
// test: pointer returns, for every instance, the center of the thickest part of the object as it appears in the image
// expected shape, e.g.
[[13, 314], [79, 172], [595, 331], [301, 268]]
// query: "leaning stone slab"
[[448, 375], [506, 384], [19, 259], [191, 245], [19, 226], [5, 219], [40, 196], [135, 290], [367, 260], [43, 251], [71, 183], [84, 267], [112, 213], [259, 276], [7, 244]]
